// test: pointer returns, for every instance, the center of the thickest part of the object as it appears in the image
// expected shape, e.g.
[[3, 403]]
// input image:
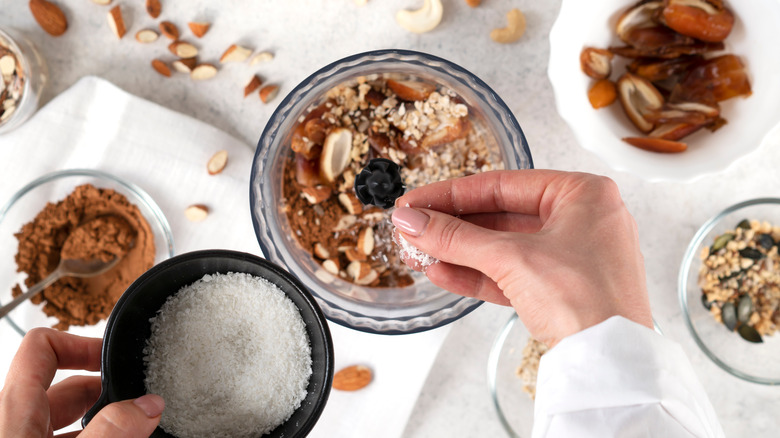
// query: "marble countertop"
[[307, 34]]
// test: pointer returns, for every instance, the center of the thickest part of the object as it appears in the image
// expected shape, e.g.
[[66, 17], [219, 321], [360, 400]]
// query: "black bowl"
[[128, 328]]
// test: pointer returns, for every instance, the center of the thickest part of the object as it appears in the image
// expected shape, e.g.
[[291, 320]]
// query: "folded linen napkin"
[[96, 125]]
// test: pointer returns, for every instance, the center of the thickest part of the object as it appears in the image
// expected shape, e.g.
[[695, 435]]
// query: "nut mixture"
[[12, 79], [425, 129], [529, 365], [740, 279]]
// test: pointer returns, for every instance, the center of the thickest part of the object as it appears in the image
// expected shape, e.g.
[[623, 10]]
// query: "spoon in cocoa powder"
[[92, 248]]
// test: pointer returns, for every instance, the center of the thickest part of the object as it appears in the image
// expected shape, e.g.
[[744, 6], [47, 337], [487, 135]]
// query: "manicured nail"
[[410, 221], [151, 404]]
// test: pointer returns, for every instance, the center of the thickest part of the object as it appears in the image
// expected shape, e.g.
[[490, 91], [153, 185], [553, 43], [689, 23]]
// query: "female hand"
[[560, 247], [29, 407]]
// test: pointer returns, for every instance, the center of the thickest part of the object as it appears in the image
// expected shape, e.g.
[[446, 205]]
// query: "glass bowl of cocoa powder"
[[34, 224], [433, 118]]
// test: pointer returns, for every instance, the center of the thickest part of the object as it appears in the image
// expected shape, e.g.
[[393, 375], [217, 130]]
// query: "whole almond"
[[146, 36], [217, 162], [116, 22], [49, 16], [161, 67], [199, 28], [268, 92], [352, 378], [153, 8], [203, 72], [253, 85], [196, 212], [169, 30]]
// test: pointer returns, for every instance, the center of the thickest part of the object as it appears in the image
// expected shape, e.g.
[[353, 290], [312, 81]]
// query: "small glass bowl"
[[25, 204], [24, 89], [754, 362], [421, 306]]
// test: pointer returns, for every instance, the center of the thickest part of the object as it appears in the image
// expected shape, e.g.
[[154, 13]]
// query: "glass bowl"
[[122, 364], [421, 306], [25, 84], [754, 362], [26, 203]]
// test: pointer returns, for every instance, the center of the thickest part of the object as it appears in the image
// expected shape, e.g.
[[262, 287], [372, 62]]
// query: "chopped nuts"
[[102, 2], [196, 212], [199, 28], [183, 50], [185, 65], [217, 162], [169, 30], [316, 194], [354, 255], [335, 155], [268, 92], [116, 22], [235, 53], [351, 203], [261, 57], [331, 266], [161, 67], [146, 36], [153, 8], [320, 251], [253, 85], [203, 72], [365, 241]]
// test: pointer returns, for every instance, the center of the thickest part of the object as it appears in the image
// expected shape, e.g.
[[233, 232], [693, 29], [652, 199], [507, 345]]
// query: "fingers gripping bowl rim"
[[388, 310]]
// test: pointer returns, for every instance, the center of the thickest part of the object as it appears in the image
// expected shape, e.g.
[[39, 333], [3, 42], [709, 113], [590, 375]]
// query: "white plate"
[[586, 23]]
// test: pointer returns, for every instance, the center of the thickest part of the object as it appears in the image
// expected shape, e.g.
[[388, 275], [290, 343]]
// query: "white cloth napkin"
[[96, 125]]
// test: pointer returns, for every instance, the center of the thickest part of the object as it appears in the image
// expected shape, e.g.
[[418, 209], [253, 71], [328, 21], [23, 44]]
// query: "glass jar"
[[23, 75]]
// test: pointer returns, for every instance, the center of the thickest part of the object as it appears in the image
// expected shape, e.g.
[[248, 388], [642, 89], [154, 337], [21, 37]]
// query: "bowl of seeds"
[[234, 344], [729, 289], [427, 115]]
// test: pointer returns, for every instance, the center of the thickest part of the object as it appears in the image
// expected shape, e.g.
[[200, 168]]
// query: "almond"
[[320, 251], [351, 203], [253, 85], [153, 8], [161, 67], [217, 162], [102, 2], [268, 92], [411, 90], [235, 53], [345, 222], [656, 144], [352, 378], [261, 57], [316, 194], [354, 255], [49, 16], [185, 65], [203, 72], [146, 36], [199, 28], [335, 155], [169, 30], [183, 49], [358, 270], [116, 22], [332, 266], [196, 212], [365, 242]]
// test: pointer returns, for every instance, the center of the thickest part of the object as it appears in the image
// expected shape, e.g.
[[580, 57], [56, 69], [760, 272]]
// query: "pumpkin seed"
[[751, 253], [744, 224], [721, 242], [766, 241], [750, 334], [729, 315], [705, 302], [744, 308]]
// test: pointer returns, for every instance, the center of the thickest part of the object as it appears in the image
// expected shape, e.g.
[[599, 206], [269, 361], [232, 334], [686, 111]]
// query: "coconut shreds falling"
[[230, 356], [409, 251]]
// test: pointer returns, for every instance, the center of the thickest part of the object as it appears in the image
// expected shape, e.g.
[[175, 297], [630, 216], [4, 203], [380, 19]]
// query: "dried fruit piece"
[[185, 65], [196, 212], [656, 144], [352, 378], [49, 16], [674, 131], [199, 28], [422, 20], [217, 162], [515, 28], [335, 153], [602, 93], [307, 171], [169, 30], [639, 16], [700, 19], [252, 85], [268, 92], [235, 53], [713, 80], [116, 22], [446, 133], [654, 69], [153, 8], [596, 63], [161, 67], [638, 97], [203, 72], [146, 36], [411, 90]]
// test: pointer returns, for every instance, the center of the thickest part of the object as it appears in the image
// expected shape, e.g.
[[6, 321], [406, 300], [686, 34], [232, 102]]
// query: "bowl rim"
[[335, 313], [51, 176], [682, 285]]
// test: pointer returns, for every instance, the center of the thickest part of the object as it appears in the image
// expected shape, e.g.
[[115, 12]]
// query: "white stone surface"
[[307, 34]]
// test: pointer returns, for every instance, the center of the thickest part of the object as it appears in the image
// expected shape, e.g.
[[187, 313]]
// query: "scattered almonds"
[[183, 49], [153, 8], [185, 65], [268, 92], [196, 212], [253, 85], [146, 36], [169, 30], [261, 57], [199, 28], [161, 67], [49, 16], [217, 162], [235, 53], [203, 71], [116, 22], [515, 28]]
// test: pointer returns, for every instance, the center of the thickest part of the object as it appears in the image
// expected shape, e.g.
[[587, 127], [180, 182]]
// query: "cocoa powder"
[[84, 301]]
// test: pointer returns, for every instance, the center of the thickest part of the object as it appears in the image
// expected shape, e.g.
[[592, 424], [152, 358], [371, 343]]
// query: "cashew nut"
[[513, 31], [423, 19]]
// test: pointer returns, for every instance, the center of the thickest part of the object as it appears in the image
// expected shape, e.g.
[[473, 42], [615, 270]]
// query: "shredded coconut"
[[230, 356], [409, 251]]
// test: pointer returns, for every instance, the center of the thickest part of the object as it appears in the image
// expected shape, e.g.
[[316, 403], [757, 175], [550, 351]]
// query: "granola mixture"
[[740, 279], [11, 82], [426, 129], [529, 366]]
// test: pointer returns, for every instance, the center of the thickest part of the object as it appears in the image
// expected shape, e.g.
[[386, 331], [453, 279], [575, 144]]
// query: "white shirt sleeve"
[[620, 379]]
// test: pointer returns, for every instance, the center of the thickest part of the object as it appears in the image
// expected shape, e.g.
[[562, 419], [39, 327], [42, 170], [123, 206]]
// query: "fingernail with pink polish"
[[151, 404], [410, 221]]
